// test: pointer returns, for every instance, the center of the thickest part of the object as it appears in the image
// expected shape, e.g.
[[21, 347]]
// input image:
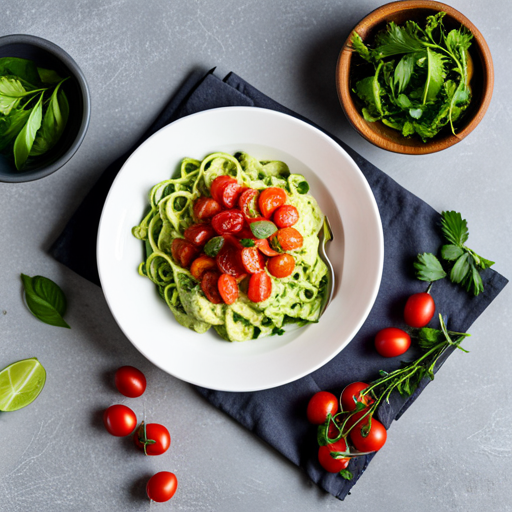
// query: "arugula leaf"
[[460, 269], [433, 23], [454, 227], [45, 300], [428, 268], [451, 252], [346, 474], [25, 139]]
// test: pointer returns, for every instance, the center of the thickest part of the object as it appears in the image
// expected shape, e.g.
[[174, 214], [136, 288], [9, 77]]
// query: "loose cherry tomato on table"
[[248, 203], [320, 405], [206, 207], [419, 309], [392, 342], [252, 260], [286, 239], [281, 266], [270, 200], [130, 382], [228, 222], [152, 438], [228, 288], [201, 265], [353, 391], [119, 420], [183, 252], [329, 463], [375, 439], [199, 234], [286, 216], [162, 486], [260, 287], [210, 287]]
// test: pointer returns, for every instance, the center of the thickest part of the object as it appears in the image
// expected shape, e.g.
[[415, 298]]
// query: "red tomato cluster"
[[151, 438], [225, 219]]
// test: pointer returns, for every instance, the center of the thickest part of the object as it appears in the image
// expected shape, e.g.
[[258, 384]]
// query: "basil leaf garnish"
[[45, 300], [247, 242], [303, 187], [263, 228], [213, 246]]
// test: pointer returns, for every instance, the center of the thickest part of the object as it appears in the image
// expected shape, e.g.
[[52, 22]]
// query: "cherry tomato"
[[206, 208], [252, 260], [228, 261], [130, 382], [260, 287], [228, 288], [119, 420], [162, 486], [228, 222], [281, 266], [199, 234], [230, 194], [329, 463], [270, 200], [320, 405], [234, 241], [201, 265], [351, 392], [183, 252], [392, 342], [217, 187], [286, 216], [375, 439], [419, 309], [245, 232], [248, 203], [286, 239], [154, 432], [263, 245], [210, 287]]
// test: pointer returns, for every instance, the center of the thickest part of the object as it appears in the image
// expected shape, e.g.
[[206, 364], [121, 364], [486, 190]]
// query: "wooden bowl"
[[482, 81]]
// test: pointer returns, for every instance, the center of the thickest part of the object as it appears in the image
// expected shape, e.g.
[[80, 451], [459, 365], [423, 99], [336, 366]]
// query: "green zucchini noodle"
[[296, 299]]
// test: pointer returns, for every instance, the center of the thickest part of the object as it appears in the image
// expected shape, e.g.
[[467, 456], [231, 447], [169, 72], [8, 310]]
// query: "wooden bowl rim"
[[356, 119]]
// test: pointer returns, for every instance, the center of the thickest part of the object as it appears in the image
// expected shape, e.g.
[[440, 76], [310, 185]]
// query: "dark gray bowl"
[[48, 55]]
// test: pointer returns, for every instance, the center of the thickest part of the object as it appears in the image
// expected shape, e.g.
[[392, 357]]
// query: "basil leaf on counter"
[[25, 139], [263, 228], [45, 300]]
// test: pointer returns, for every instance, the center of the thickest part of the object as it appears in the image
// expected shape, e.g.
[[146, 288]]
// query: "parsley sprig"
[[465, 263]]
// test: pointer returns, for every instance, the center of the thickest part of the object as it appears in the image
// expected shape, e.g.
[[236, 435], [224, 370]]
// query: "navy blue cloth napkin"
[[410, 226]]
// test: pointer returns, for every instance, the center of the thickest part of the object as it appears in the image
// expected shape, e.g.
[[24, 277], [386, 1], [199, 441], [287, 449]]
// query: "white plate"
[[356, 252]]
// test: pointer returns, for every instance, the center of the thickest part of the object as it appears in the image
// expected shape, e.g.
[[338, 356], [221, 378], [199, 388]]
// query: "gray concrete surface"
[[453, 448]]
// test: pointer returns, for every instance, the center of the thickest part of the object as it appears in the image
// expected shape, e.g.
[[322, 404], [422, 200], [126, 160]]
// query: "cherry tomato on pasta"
[[419, 309], [229, 262], [162, 486], [263, 245], [201, 265], [199, 234], [286, 239], [281, 266], [218, 185], [252, 260], [119, 420], [270, 200], [130, 382], [210, 287], [206, 207], [260, 287], [286, 216], [392, 342], [320, 405], [183, 252], [248, 203], [228, 222], [228, 288]]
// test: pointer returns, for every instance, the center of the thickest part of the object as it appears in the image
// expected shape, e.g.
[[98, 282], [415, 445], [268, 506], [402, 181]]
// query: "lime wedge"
[[21, 383]]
